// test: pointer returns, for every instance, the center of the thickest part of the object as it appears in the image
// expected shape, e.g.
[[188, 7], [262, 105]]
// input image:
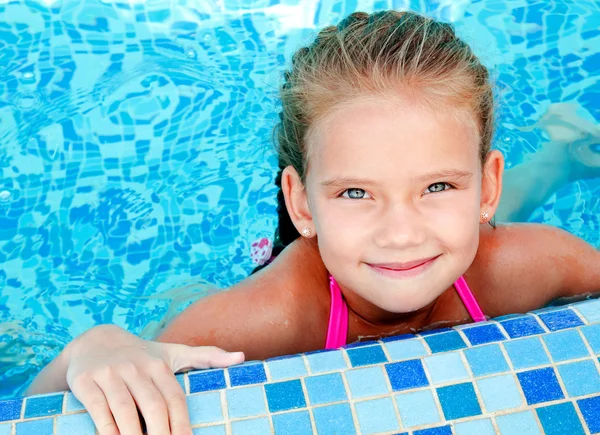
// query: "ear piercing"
[[306, 232], [484, 216]]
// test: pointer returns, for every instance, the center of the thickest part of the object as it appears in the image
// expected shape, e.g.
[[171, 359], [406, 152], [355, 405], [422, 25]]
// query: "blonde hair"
[[378, 55]]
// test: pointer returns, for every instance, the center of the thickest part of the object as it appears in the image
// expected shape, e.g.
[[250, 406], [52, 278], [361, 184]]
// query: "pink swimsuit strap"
[[337, 331]]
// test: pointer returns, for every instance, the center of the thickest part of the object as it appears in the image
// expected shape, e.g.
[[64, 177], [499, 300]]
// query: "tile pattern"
[[490, 378]]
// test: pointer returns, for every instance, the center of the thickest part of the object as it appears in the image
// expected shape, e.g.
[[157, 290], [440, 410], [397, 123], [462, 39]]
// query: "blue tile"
[[360, 344], [43, 406], [204, 408], [526, 352], [287, 368], [325, 388], [417, 408], [10, 409], [254, 426], [366, 382], [458, 401], [210, 430], [44, 426], [580, 378], [522, 327], [540, 385], [484, 334], [376, 416], [446, 367], [405, 375], [442, 430], [334, 419], [445, 342], [397, 338], [246, 402], [520, 423], [366, 356], [590, 409], [565, 345], [292, 423], [247, 375], [482, 426], [75, 424], [560, 419], [6, 429], [499, 392], [434, 332], [207, 381], [406, 349], [560, 319], [73, 404], [486, 360], [326, 361], [590, 310], [592, 335], [181, 380], [282, 396]]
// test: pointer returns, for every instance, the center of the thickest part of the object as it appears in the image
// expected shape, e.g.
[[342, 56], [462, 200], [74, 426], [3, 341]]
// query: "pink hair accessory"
[[261, 251]]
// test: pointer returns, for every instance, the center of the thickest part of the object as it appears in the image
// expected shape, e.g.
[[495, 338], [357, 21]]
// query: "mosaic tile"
[[482, 426], [292, 423], [73, 404], [445, 367], [405, 349], [10, 409], [445, 342], [366, 382], [287, 368], [592, 335], [405, 375], [210, 430], [560, 319], [328, 361], [458, 401], [45, 426], [589, 310], [366, 356], [247, 375], [560, 419], [376, 415], [580, 378], [361, 344], [204, 408], [6, 429], [253, 426], [520, 423], [486, 360], [590, 409], [282, 396], [325, 388], [181, 380], [499, 392], [484, 334], [442, 430], [245, 402], [540, 385], [334, 419], [565, 345], [42, 406], [206, 381], [526, 352], [417, 408], [75, 424], [522, 327]]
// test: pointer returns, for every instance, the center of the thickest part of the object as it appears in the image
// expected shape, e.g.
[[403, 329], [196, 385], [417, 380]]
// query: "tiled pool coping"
[[515, 375]]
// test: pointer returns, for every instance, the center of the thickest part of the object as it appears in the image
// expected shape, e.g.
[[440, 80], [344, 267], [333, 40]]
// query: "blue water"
[[136, 145]]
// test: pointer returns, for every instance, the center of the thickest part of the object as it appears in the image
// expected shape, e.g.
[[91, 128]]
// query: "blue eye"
[[355, 194], [438, 187]]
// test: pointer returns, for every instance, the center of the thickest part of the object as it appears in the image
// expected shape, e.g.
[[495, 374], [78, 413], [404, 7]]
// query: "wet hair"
[[377, 55]]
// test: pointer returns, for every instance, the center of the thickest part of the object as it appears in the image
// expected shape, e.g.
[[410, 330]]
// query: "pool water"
[[136, 146]]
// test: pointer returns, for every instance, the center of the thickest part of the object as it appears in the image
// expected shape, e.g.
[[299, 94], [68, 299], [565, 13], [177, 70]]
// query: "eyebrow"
[[453, 174]]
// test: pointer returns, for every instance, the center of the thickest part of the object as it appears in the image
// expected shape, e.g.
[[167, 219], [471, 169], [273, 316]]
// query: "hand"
[[111, 371]]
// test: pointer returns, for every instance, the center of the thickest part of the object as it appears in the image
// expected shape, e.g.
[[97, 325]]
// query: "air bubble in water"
[[191, 53], [5, 196], [207, 37]]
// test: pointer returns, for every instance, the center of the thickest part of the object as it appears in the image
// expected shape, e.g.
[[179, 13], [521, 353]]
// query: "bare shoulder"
[[281, 309], [525, 266]]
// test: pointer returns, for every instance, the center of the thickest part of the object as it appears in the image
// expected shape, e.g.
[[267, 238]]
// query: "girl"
[[389, 186]]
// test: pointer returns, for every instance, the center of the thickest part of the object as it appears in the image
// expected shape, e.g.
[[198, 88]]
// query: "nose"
[[400, 227]]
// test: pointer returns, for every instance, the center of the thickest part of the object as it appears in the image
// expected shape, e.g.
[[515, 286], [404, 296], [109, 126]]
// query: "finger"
[[174, 397], [184, 357], [121, 403], [92, 398], [150, 402]]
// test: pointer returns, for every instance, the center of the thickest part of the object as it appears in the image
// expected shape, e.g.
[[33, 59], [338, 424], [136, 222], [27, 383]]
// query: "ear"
[[491, 183], [296, 200]]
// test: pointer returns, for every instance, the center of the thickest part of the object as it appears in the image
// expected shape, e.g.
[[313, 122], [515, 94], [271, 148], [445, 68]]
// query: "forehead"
[[393, 137]]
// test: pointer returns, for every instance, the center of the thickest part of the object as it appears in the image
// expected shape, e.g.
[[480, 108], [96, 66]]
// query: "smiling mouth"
[[404, 270]]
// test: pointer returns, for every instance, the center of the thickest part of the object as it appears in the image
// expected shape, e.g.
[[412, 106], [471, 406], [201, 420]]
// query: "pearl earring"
[[484, 216], [306, 232]]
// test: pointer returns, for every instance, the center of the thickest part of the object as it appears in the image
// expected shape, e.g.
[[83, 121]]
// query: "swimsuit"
[[337, 331]]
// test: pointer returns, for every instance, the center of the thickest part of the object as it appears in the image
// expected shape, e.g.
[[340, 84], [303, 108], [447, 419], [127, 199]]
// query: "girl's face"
[[394, 193]]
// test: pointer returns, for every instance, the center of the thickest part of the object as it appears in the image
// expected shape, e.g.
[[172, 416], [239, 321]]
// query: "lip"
[[404, 270]]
